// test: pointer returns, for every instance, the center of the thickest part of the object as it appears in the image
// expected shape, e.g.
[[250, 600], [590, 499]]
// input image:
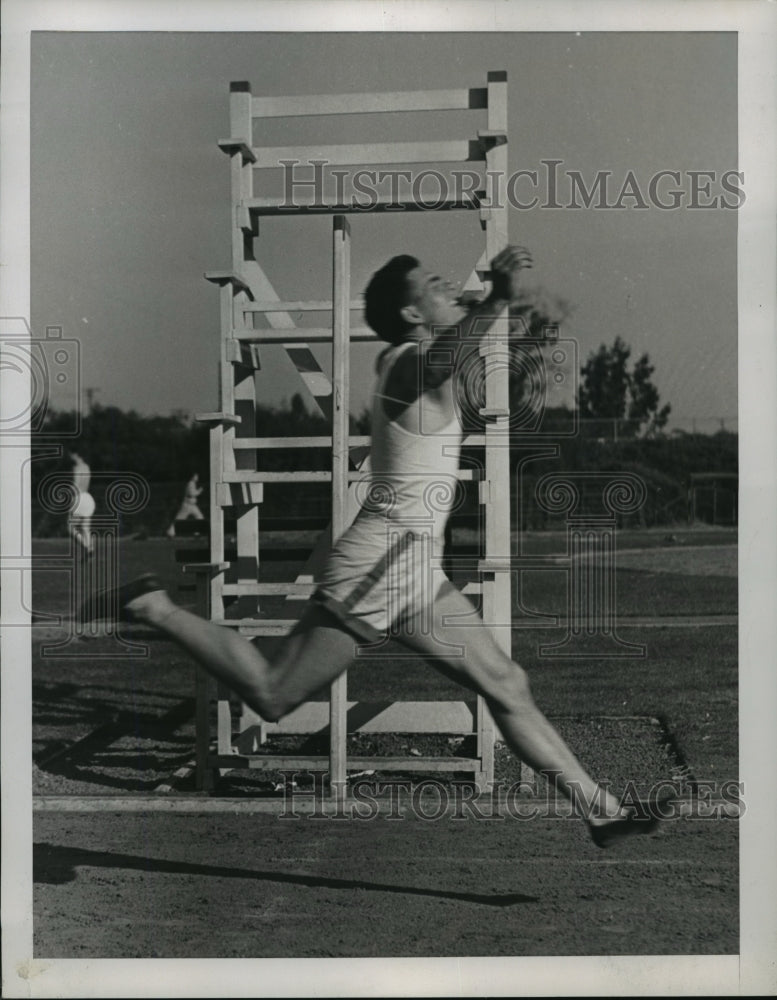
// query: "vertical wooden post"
[[247, 512], [216, 583], [341, 297], [495, 493], [203, 687], [241, 172], [240, 399]]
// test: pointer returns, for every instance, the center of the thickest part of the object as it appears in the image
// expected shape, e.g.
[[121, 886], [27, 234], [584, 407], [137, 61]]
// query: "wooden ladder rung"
[[251, 476], [413, 764], [318, 476], [251, 589], [289, 762], [320, 441], [270, 762], [256, 207], [302, 305], [453, 151], [456, 99], [301, 335]]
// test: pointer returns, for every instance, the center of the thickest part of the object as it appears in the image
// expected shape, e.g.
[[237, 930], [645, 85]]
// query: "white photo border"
[[753, 971]]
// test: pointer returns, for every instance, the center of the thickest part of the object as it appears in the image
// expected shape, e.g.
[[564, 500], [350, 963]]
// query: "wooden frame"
[[237, 486]]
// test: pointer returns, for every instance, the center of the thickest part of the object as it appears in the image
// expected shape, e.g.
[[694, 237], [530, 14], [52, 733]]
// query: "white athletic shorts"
[[380, 574]]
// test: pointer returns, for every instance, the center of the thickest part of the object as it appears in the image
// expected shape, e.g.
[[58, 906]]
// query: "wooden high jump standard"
[[228, 584]]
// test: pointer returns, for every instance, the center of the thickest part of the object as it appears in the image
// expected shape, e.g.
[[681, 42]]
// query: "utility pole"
[[90, 392]]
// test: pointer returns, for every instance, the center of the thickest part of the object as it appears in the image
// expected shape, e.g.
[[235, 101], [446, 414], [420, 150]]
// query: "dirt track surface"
[[712, 560], [161, 885], [138, 884]]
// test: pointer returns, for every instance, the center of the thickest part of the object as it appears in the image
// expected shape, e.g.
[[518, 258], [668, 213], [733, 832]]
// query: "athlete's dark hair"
[[386, 294]]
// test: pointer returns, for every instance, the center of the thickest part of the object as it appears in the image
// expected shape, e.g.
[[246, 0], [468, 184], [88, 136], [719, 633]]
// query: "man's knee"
[[266, 703], [266, 699], [509, 687], [271, 711], [273, 701]]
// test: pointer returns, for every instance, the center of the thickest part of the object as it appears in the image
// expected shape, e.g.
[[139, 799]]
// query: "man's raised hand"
[[505, 271]]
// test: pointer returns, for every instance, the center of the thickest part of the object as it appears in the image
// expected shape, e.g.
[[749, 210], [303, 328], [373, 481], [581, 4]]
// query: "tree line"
[[167, 450]]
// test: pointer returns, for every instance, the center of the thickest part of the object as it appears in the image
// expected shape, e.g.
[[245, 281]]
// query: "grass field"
[[161, 884]]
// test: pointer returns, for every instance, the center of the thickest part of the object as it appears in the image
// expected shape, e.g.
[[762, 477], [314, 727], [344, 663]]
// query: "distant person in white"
[[80, 516], [189, 507], [383, 575]]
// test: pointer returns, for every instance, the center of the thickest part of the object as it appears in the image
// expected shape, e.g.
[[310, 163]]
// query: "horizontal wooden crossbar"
[[275, 553], [325, 441], [455, 151], [454, 718], [294, 762], [301, 335], [322, 441], [307, 476], [377, 203], [309, 305], [272, 523], [267, 589], [461, 99], [317, 476]]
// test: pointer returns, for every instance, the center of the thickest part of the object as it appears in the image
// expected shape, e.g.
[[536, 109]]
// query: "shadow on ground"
[[56, 865]]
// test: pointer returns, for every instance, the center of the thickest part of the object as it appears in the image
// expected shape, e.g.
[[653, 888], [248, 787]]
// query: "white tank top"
[[82, 474], [414, 475]]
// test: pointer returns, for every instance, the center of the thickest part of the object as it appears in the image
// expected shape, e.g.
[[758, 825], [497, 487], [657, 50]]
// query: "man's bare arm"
[[435, 360]]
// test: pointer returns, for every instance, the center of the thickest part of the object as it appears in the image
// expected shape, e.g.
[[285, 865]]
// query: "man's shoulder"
[[401, 364]]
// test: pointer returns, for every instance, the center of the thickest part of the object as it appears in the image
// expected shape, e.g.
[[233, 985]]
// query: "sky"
[[130, 195]]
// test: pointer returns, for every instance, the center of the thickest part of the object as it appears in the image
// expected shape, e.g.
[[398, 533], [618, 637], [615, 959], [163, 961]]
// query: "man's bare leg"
[[314, 654], [483, 667]]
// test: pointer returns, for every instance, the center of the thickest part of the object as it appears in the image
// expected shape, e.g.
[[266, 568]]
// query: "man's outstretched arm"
[[433, 362], [505, 279]]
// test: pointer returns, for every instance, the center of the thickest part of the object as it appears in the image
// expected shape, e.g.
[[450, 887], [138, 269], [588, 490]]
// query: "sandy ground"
[[151, 885]]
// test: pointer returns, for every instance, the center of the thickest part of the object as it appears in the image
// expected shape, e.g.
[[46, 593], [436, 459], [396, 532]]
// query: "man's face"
[[433, 300]]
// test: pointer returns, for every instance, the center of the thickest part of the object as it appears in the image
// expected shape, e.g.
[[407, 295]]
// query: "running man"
[[383, 574], [79, 522], [189, 506]]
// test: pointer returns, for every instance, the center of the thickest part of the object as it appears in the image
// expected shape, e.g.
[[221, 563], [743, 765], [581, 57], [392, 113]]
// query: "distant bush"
[[166, 451]]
